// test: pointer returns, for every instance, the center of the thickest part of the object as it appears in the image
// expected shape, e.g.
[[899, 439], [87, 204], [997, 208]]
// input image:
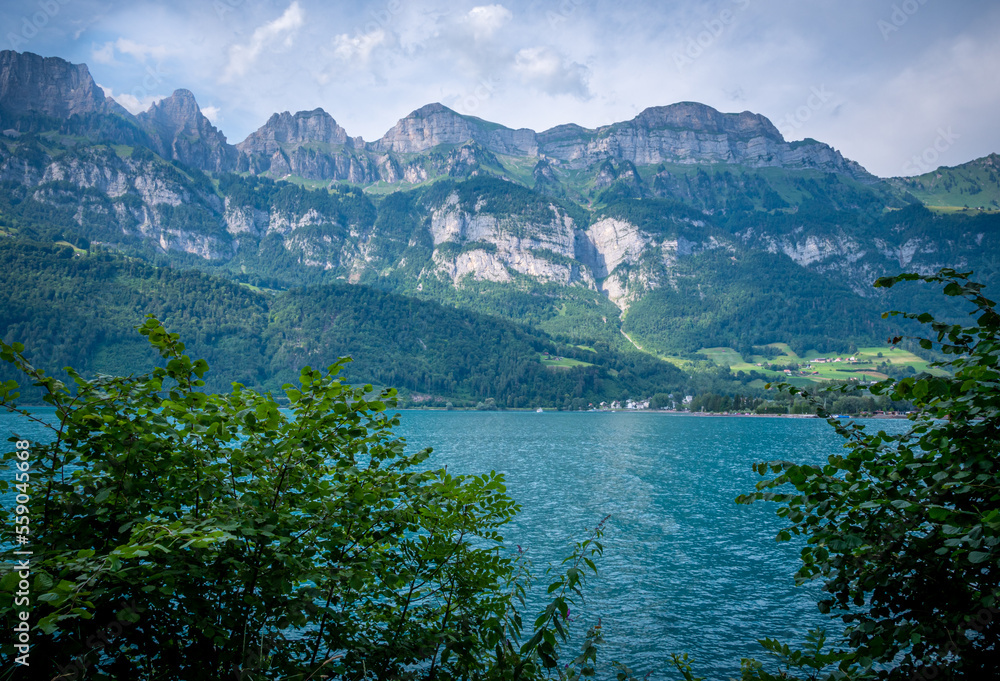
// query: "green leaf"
[[9, 581], [939, 513]]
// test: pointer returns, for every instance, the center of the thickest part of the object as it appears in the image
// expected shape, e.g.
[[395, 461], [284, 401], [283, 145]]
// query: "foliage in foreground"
[[182, 535], [903, 529]]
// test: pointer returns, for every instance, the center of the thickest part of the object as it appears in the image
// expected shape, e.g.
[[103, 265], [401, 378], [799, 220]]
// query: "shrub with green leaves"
[[184, 535], [903, 529]]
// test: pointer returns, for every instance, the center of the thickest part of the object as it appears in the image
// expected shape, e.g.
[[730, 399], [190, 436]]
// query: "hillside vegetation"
[[80, 311]]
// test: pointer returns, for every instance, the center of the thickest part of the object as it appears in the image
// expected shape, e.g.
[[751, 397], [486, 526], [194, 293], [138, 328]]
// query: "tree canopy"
[[903, 529], [180, 534]]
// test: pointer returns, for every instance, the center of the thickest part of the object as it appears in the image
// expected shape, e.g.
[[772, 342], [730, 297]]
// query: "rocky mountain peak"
[[300, 128], [287, 145], [435, 124], [186, 135], [433, 109], [425, 128], [988, 161], [31, 84], [703, 118], [689, 132], [176, 113]]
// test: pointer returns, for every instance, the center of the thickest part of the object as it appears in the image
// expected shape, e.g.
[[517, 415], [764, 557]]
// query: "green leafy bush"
[[903, 529], [185, 535]]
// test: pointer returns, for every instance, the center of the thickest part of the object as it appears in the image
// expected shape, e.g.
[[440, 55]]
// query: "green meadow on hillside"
[[869, 363]]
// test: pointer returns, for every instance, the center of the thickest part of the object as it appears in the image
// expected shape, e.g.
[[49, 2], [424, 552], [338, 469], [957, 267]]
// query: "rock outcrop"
[[689, 132], [498, 248], [301, 128], [49, 86], [309, 144], [436, 124], [186, 135], [680, 133]]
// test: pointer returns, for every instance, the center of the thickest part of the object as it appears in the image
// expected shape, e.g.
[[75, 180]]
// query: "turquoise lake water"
[[685, 569]]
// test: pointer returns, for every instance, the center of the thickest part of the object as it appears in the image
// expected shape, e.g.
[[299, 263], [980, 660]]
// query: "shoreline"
[[666, 412], [663, 412]]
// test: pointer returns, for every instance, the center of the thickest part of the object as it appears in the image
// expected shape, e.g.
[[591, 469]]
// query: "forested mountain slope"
[[72, 310]]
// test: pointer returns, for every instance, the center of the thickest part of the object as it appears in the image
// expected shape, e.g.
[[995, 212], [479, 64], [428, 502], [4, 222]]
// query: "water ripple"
[[685, 568]]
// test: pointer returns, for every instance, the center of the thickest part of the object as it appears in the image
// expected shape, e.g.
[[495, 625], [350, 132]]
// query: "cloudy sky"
[[900, 86]]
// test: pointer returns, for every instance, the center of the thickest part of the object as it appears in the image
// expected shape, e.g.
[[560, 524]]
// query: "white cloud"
[[134, 104], [103, 54], [241, 57], [874, 133], [359, 47], [547, 70], [212, 113], [140, 51], [486, 20]]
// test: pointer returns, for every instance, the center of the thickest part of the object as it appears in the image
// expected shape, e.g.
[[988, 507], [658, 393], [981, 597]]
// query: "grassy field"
[[78, 251], [864, 367], [971, 185], [897, 357], [561, 362], [520, 169], [257, 289]]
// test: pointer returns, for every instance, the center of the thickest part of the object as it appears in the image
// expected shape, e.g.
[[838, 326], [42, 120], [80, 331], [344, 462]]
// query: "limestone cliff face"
[[117, 177], [493, 248], [436, 124], [615, 242], [629, 262], [186, 135], [816, 249], [311, 250], [310, 237], [479, 264], [681, 133], [202, 245], [245, 219], [30, 84], [312, 164], [691, 133], [123, 199], [859, 259], [610, 255], [300, 128], [309, 144]]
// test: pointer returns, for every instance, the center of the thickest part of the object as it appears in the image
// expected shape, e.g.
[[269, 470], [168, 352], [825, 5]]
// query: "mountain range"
[[311, 145], [683, 228]]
